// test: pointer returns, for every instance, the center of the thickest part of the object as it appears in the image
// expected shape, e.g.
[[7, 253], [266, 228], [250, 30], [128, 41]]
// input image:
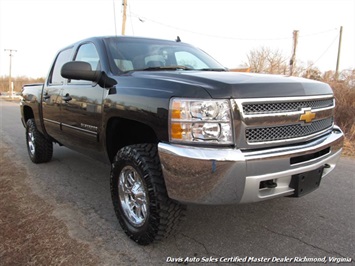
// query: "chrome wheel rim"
[[30, 141], [132, 196]]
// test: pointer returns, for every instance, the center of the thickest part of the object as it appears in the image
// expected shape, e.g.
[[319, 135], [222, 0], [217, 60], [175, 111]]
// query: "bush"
[[345, 113]]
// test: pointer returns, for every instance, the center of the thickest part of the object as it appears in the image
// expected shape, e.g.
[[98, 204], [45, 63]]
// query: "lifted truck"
[[178, 128]]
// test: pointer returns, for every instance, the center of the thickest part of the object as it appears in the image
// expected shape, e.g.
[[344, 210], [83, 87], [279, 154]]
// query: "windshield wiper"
[[164, 68], [212, 69]]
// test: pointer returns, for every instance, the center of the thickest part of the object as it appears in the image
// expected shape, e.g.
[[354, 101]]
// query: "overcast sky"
[[226, 29]]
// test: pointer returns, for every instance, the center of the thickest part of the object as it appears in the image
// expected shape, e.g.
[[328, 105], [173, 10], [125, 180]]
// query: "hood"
[[241, 85]]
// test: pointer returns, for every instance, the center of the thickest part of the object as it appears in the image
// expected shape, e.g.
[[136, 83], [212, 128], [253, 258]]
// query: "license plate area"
[[307, 182]]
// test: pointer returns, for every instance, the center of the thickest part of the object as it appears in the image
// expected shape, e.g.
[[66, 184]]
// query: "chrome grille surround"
[[277, 107], [267, 122]]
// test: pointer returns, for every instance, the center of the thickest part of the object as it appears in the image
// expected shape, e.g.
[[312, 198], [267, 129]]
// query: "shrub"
[[345, 113]]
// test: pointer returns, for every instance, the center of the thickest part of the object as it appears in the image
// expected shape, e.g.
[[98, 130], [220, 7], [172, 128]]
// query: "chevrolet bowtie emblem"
[[307, 117]]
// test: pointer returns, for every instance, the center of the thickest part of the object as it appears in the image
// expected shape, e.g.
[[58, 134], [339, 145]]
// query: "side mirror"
[[79, 70]]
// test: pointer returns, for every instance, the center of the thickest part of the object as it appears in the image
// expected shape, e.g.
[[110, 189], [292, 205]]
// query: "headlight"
[[200, 120]]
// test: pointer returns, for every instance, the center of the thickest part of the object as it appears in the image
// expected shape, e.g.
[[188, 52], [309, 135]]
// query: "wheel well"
[[123, 132], [27, 113]]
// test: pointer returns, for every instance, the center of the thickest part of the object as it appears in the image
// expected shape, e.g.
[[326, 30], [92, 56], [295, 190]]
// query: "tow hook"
[[268, 184]]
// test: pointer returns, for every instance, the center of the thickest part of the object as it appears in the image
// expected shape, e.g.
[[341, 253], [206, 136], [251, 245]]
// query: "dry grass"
[[345, 114], [30, 233]]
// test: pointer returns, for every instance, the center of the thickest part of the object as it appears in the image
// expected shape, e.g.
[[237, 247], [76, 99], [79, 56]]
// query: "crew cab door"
[[51, 98], [82, 106]]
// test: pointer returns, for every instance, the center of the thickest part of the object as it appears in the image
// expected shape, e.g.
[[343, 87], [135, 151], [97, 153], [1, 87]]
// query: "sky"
[[226, 29]]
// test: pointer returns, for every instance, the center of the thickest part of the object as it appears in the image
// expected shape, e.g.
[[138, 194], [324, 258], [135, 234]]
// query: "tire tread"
[[43, 146], [165, 214]]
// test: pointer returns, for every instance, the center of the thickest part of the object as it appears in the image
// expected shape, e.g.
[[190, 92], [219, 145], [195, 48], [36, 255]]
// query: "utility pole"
[[293, 57], [10, 82], [124, 17], [338, 57]]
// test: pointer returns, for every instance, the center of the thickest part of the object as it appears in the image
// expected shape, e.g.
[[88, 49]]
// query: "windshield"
[[131, 54]]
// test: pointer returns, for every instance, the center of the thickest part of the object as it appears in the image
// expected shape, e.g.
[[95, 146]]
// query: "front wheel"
[[139, 196], [39, 148]]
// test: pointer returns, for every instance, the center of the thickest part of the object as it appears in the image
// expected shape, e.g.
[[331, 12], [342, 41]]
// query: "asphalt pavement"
[[314, 228]]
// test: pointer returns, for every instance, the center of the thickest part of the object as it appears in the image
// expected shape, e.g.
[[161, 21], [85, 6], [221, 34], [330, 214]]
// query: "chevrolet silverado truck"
[[177, 128]]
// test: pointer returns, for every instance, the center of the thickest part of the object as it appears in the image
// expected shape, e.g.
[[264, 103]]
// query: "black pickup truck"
[[178, 128]]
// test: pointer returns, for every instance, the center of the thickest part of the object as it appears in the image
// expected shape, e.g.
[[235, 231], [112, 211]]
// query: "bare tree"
[[265, 60], [312, 72], [348, 77], [18, 82]]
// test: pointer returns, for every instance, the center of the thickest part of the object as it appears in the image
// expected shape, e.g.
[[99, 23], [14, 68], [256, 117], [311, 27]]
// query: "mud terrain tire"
[[39, 148], [139, 196]]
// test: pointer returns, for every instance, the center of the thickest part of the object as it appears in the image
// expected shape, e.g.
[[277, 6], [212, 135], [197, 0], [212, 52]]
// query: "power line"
[[130, 16], [143, 19], [325, 51], [317, 33], [309, 35], [114, 16]]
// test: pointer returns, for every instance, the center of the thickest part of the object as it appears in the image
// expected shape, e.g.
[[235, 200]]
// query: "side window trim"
[[55, 70], [81, 51]]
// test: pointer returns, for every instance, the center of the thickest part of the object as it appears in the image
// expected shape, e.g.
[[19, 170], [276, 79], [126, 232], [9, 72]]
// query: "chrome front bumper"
[[226, 176]]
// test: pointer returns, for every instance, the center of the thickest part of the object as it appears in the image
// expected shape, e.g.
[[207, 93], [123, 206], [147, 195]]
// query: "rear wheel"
[[139, 196], [39, 148]]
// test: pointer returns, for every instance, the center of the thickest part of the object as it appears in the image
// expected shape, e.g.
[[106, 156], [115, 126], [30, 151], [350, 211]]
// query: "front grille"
[[284, 107], [275, 133]]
